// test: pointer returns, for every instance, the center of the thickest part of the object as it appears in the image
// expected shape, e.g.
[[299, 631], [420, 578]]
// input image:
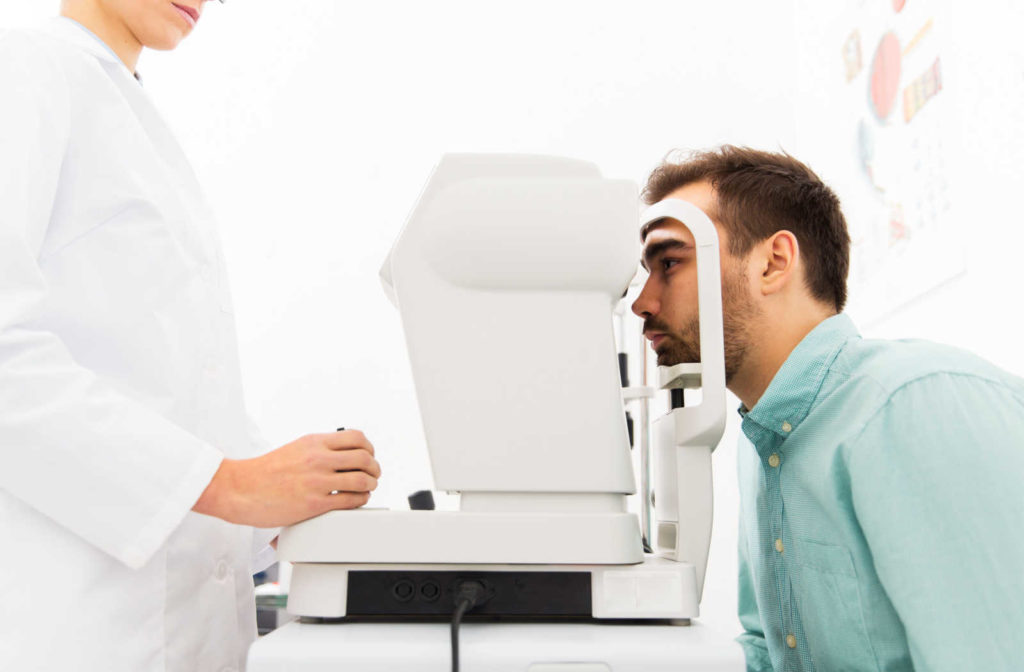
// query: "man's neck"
[[111, 29], [770, 347]]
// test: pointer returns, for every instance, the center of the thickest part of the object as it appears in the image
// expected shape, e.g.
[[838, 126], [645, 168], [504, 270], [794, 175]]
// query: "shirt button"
[[791, 641], [774, 460], [778, 545], [786, 427]]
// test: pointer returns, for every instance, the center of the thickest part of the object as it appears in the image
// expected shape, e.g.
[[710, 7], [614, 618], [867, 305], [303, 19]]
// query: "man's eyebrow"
[[654, 250]]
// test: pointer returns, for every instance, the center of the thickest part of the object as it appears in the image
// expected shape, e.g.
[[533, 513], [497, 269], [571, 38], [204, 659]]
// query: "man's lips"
[[189, 13], [655, 338]]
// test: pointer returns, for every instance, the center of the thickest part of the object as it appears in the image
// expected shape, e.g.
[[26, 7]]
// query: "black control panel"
[[432, 593]]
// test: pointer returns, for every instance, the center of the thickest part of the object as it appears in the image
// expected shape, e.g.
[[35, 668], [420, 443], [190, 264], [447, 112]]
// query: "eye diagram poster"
[[875, 120]]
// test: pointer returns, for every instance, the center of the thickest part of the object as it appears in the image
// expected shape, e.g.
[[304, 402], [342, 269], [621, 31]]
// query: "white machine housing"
[[506, 276]]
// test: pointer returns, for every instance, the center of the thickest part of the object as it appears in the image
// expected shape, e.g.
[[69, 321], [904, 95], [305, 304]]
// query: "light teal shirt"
[[882, 510]]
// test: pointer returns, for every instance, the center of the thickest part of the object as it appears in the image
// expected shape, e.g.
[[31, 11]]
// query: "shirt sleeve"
[[755, 648], [936, 482], [99, 464]]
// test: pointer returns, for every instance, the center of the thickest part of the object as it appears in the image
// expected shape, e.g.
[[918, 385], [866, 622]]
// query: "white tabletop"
[[497, 647]]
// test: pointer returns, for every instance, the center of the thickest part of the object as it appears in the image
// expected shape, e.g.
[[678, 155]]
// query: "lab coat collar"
[[72, 32]]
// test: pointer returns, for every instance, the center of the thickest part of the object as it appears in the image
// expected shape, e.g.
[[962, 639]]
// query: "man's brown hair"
[[760, 193]]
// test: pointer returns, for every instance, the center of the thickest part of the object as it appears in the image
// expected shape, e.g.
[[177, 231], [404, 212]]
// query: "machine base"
[[381, 536], [655, 589]]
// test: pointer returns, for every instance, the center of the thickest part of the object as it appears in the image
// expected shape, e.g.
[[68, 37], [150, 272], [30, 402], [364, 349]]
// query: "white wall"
[[981, 309], [980, 102]]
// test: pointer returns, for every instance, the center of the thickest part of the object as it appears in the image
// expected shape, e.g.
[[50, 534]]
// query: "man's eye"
[[666, 264]]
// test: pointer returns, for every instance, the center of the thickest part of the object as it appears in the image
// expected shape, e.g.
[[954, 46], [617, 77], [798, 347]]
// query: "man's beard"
[[738, 311]]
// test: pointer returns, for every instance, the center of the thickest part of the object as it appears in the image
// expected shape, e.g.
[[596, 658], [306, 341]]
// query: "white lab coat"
[[119, 384]]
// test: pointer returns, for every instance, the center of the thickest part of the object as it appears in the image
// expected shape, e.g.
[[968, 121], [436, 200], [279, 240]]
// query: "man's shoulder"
[[891, 365]]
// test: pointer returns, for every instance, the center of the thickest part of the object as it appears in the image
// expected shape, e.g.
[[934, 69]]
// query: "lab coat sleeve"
[[99, 464], [260, 445], [263, 554], [755, 648], [936, 481]]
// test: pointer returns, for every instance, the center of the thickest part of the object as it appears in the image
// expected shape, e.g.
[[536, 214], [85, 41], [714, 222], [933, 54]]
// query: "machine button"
[[778, 546], [404, 590], [786, 427], [791, 641], [773, 460], [430, 591]]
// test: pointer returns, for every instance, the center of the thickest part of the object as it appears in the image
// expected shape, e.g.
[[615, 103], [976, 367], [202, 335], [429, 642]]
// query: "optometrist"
[[131, 480]]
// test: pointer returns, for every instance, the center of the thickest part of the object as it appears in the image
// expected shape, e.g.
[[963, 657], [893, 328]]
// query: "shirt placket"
[[769, 448], [773, 466]]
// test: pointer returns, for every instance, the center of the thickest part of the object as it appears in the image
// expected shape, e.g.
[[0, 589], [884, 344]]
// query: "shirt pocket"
[[827, 596]]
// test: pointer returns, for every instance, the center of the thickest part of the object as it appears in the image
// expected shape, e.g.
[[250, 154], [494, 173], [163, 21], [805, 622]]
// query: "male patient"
[[881, 482]]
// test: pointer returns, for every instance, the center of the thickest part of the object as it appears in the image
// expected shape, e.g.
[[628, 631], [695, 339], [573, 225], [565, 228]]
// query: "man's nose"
[[645, 306]]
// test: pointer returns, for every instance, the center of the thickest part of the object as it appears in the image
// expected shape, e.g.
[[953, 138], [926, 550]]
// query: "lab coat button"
[[778, 545], [791, 641], [222, 570], [786, 427], [773, 460]]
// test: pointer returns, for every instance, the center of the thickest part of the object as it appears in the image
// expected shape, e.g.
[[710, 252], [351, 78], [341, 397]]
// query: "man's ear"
[[779, 259]]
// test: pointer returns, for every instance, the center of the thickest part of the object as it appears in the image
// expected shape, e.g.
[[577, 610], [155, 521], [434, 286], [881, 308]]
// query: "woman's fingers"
[[345, 500], [354, 460], [350, 438]]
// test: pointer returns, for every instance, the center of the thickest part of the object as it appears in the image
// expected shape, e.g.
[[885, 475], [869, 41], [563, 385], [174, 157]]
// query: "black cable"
[[456, 620], [470, 594]]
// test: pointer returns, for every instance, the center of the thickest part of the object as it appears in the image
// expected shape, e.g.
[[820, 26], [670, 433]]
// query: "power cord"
[[470, 594]]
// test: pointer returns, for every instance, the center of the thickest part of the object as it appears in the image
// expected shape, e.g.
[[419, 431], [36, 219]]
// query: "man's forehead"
[[664, 230], [700, 193]]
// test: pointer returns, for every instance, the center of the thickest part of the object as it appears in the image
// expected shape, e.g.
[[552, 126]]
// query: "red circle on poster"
[[885, 75], [898, 5]]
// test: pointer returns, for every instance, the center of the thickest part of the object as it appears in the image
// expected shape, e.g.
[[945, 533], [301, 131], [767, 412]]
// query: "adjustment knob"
[[421, 500]]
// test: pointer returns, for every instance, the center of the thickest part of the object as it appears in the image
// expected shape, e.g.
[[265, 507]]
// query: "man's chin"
[[669, 359]]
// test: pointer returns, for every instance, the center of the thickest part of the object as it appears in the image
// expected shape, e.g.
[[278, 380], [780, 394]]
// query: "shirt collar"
[[789, 396]]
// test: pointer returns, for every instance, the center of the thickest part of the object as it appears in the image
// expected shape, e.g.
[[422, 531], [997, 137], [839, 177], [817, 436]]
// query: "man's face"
[[157, 24], [668, 302]]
